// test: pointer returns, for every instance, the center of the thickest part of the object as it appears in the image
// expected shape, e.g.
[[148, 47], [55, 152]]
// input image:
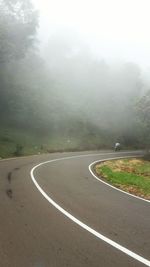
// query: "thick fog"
[[115, 30], [75, 70]]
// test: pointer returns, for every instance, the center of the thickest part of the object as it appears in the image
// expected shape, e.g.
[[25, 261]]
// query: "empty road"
[[54, 213]]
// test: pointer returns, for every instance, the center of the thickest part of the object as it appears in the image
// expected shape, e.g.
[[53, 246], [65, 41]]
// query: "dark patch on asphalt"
[[9, 193], [9, 176], [16, 169]]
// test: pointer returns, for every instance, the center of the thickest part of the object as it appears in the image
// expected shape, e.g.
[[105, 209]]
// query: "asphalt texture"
[[33, 233]]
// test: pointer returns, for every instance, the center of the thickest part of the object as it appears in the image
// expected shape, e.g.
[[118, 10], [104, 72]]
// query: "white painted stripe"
[[81, 224], [100, 180]]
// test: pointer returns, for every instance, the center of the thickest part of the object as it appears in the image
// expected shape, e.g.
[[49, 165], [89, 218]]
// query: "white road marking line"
[[97, 178], [81, 224]]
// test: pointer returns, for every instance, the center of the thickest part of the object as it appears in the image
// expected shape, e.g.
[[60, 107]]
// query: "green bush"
[[19, 150]]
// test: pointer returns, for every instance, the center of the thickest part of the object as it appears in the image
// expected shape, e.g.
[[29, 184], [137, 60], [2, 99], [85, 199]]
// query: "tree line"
[[66, 92]]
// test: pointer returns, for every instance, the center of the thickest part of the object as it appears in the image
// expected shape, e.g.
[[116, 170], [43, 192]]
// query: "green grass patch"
[[132, 175]]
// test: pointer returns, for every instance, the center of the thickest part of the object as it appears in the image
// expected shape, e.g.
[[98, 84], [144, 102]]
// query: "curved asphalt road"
[[33, 233]]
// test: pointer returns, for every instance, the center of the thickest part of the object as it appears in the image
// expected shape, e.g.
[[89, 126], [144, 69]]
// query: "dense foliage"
[[18, 22], [67, 97], [143, 112]]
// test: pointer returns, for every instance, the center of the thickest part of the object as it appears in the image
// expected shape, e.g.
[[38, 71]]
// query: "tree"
[[143, 111], [18, 23]]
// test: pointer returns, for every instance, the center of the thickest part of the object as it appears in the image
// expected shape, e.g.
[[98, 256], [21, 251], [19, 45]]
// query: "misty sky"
[[116, 30]]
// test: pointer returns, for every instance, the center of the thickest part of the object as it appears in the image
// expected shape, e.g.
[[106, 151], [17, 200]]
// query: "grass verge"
[[130, 175]]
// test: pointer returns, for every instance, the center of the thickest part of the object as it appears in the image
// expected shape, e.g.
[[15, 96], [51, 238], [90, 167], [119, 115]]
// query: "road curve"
[[34, 233]]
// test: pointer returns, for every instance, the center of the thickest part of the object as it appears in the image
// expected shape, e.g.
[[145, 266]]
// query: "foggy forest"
[[60, 96]]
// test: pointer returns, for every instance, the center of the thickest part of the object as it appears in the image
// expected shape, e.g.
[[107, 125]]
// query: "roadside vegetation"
[[22, 142], [64, 99], [131, 175]]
